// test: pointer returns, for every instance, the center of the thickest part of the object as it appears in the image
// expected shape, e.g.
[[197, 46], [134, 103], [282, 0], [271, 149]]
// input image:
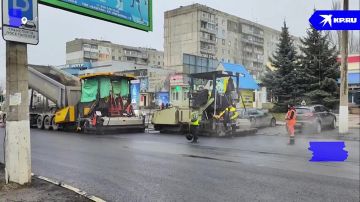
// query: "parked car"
[[258, 118], [315, 118]]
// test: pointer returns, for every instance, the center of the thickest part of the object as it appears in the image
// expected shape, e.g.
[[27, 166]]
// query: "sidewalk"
[[39, 190]]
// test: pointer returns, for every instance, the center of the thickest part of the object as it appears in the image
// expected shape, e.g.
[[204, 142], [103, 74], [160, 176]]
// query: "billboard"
[[132, 13], [135, 93]]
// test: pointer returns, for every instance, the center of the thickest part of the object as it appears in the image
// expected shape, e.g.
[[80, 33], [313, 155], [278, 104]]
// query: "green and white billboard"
[[132, 13]]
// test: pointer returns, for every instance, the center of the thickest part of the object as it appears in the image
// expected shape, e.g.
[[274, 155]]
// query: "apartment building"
[[200, 30], [90, 50]]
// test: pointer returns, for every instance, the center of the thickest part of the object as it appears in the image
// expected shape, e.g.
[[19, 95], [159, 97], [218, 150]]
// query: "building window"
[[175, 95], [203, 24], [113, 57], [223, 42], [87, 54]]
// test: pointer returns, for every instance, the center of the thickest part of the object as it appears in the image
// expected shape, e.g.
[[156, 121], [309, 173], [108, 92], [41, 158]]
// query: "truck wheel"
[[40, 122], [318, 127], [273, 122], [4, 120], [333, 124], [47, 123], [53, 124], [157, 127]]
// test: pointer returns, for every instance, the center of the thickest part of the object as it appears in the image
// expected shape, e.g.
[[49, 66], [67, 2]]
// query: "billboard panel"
[[132, 13], [135, 93]]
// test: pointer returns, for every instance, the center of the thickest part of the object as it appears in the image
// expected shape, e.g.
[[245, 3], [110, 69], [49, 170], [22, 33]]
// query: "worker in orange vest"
[[290, 122]]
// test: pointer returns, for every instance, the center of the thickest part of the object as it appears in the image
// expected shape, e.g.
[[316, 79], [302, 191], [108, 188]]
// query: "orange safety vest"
[[288, 116]]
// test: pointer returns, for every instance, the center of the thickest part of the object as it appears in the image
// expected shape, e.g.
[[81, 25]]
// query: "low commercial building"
[[353, 78]]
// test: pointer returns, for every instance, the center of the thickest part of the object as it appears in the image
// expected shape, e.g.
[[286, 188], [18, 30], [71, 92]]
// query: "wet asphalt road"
[[153, 167]]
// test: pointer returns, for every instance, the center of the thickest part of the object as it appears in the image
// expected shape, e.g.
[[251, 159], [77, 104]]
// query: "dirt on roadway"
[[39, 190]]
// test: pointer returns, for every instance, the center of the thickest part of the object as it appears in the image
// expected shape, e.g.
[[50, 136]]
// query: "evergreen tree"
[[319, 69], [283, 81]]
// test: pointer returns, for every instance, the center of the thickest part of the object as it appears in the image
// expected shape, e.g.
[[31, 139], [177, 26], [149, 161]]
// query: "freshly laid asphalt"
[[158, 167]]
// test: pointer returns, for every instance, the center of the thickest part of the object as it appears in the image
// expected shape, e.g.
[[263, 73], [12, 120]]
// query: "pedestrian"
[[194, 127], [230, 115], [291, 122]]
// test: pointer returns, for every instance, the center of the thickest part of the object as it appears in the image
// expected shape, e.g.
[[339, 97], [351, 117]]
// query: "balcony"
[[212, 31], [207, 51], [204, 39], [207, 19], [136, 54]]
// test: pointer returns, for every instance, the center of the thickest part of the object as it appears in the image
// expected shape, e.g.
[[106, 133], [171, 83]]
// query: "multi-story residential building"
[[199, 30], [90, 51]]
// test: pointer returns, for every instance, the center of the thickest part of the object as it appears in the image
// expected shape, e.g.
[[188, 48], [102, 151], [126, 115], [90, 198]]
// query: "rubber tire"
[[40, 122], [4, 120], [189, 137], [47, 123], [253, 122], [318, 128], [157, 127], [333, 124], [54, 126], [273, 122]]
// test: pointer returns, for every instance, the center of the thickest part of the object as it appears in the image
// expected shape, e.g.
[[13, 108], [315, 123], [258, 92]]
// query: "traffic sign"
[[336, 20], [20, 21]]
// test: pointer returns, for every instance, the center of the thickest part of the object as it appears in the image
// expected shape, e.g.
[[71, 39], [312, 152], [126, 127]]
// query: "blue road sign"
[[19, 10], [20, 21], [336, 20]]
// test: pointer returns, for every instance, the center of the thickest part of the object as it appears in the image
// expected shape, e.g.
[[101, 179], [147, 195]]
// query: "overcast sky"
[[58, 26]]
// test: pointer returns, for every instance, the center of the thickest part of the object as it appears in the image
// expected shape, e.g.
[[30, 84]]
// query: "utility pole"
[[344, 109], [17, 140]]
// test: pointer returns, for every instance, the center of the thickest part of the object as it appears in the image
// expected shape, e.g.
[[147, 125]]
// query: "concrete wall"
[[181, 35]]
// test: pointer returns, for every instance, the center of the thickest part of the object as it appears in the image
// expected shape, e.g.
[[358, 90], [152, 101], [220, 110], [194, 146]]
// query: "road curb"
[[70, 188]]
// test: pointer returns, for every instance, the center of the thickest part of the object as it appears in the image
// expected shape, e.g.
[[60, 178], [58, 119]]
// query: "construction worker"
[[230, 116], [290, 122], [194, 127]]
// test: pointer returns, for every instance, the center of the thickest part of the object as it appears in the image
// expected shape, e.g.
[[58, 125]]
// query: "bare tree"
[[335, 36]]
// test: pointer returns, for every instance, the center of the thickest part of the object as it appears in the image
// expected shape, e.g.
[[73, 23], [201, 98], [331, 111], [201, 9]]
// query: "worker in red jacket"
[[291, 122]]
